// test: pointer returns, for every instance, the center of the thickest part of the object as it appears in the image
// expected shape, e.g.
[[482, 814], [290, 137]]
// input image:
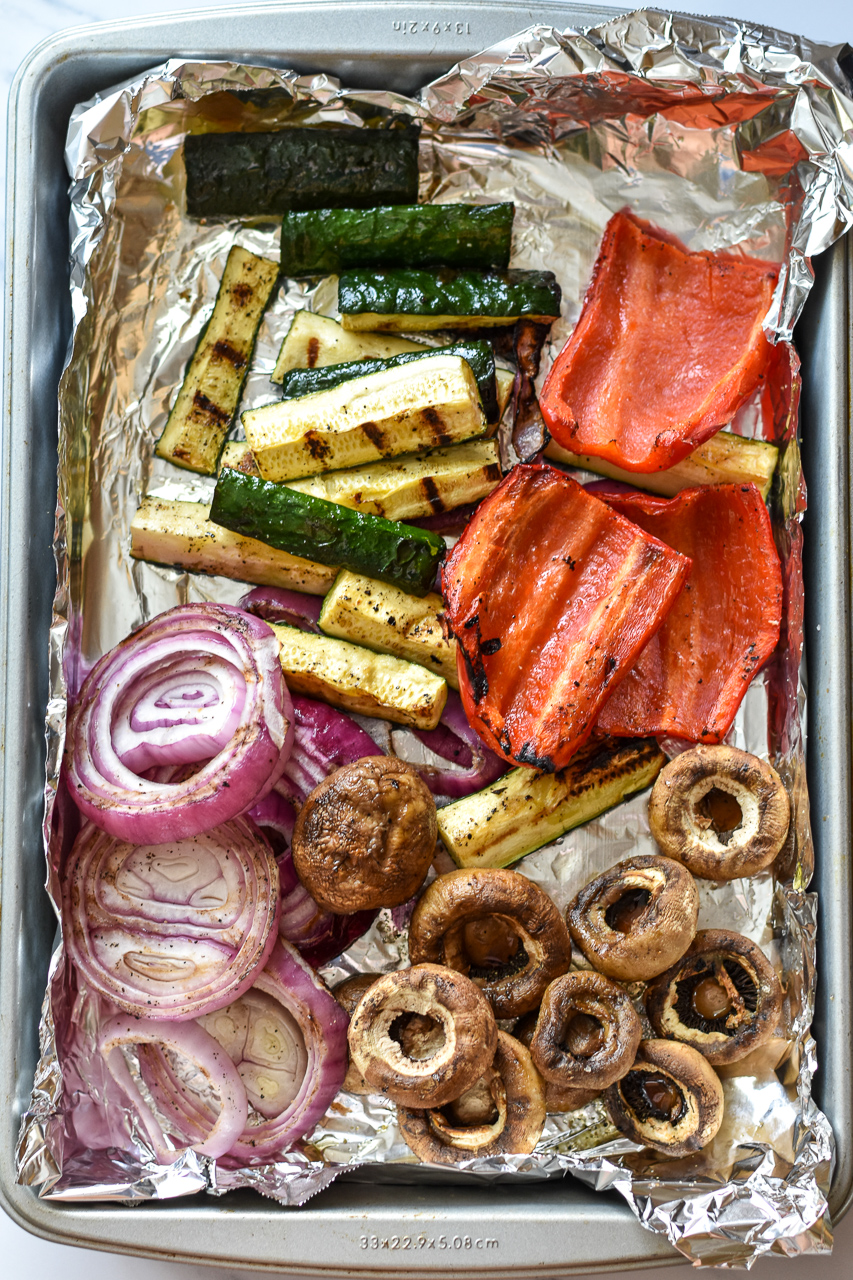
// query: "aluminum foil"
[[733, 138]]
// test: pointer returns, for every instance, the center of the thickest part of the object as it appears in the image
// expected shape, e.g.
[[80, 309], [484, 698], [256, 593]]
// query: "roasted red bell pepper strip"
[[551, 595], [690, 678], [668, 345]]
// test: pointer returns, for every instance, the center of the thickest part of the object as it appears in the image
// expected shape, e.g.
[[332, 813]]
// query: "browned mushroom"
[[366, 836], [671, 1100], [720, 811], [722, 997], [497, 927], [636, 919], [556, 1099], [422, 1036], [502, 1113], [587, 1032], [348, 993]]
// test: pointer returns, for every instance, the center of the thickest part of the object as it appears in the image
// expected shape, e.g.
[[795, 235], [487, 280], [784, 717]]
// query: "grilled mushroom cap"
[[587, 1032], [636, 919], [722, 812], [556, 1099], [497, 927], [365, 838], [502, 1113], [671, 1100], [422, 1036], [348, 993], [722, 997]]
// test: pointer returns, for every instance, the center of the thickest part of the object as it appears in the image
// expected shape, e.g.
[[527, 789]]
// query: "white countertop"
[[26, 22]]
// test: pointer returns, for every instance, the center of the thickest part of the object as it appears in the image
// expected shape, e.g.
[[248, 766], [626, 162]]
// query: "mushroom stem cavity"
[[722, 812], [625, 912], [498, 928]]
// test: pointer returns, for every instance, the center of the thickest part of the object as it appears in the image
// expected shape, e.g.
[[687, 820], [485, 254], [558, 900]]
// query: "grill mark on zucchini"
[[313, 351], [224, 350], [208, 413], [376, 435], [432, 495]]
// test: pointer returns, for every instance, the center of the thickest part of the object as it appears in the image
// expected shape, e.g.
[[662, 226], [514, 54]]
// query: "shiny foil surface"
[[729, 137]]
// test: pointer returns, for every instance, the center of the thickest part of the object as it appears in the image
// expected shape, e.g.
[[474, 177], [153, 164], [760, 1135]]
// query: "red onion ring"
[[276, 604], [455, 740], [175, 930], [289, 982], [200, 682], [194, 1043]]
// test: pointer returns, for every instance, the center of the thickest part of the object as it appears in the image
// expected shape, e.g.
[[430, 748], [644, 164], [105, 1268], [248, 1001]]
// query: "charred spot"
[[432, 495], [491, 646], [375, 435], [527, 755], [473, 621], [213, 412], [476, 674], [609, 667], [312, 352], [228, 353], [242, 294], [434, 418], [318, 448]]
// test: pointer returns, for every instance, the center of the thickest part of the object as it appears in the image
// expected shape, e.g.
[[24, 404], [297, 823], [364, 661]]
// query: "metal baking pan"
[[533, 1229]]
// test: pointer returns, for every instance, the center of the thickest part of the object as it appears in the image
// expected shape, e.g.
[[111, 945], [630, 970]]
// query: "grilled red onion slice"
[[174, 930], [196, 1046], [324, 740], [456, 741], [200, 682], [288, 1038], [275, 604]]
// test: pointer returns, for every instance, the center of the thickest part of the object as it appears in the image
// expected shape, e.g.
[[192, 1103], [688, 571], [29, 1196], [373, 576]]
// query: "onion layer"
[[277, 604], [199, 683], [324, 740], [174, 929], [456, 741], [289, 1021], [195, 1045]]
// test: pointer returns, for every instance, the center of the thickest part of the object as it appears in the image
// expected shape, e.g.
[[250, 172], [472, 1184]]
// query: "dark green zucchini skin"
[[247, 174], [418, 235], [323, 531], [478, 353], [449, 293]]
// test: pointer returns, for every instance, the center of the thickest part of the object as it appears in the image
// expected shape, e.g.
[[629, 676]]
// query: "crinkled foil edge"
[[767, 1205]]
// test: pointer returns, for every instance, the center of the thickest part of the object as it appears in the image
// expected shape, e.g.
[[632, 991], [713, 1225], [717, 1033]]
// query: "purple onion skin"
[[611, 488], [324, 740], [343, 931], [288, 979], [276, 604], [455, 739]]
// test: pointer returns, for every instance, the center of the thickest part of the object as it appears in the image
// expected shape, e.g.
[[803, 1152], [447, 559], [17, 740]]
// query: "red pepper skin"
[[668, 345], [551, 595], [691, 677]]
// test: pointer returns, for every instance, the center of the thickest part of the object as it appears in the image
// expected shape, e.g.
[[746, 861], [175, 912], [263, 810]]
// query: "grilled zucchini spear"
[[307, 526], [447, 299], [724, 459], [314, 341], [390, 621], [525, 810], [430, 402], [181, 535], [353, 678], [208, 399]]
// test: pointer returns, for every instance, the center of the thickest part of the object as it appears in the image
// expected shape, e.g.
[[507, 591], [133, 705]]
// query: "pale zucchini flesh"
[[505, 380], [525, 810], [724, 459], [357, 679], [425, 404], [409, 487], [208, 398], [389, 620], [237, 454], [179, 534], [313, 341]]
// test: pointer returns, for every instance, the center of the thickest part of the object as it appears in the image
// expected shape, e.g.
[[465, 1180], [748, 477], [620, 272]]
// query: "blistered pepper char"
[[551, 596]]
